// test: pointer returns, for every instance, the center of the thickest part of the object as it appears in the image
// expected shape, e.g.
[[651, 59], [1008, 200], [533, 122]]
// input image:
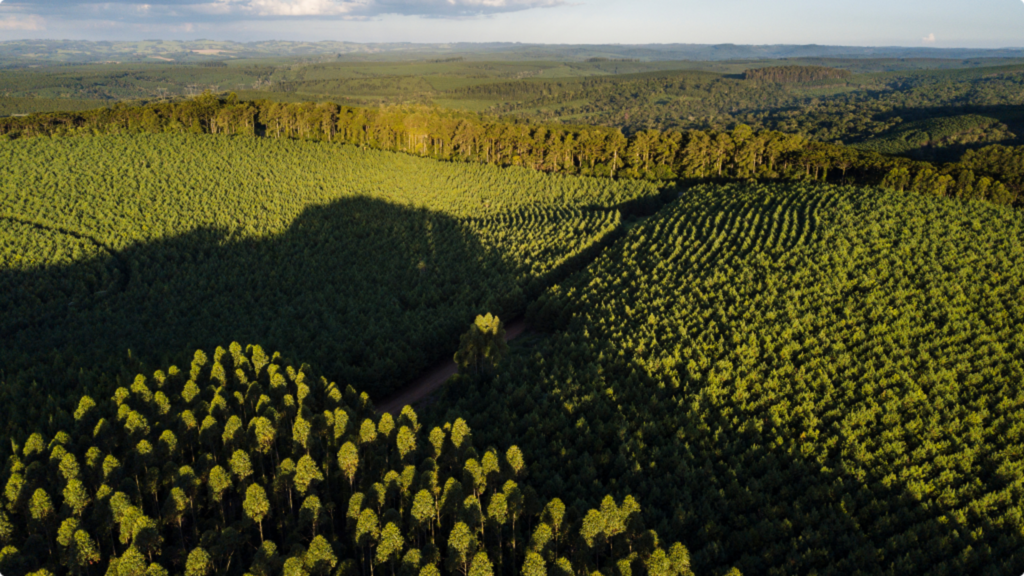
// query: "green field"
[[799, 379]]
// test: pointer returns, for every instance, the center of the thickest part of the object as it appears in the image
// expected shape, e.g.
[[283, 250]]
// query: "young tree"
[[534, 565], [423, 510], [240, 465]]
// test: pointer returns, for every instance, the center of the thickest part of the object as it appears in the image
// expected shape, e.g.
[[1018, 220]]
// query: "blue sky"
[[939, 23]]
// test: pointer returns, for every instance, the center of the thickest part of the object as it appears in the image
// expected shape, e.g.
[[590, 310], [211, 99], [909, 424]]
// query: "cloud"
[[163, 11], [22, 23], [929, 39]]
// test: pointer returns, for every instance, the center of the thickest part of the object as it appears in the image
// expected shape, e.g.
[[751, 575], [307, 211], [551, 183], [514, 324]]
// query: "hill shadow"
[[750, 470], [719, 484], [366, 291], [1010, 116]]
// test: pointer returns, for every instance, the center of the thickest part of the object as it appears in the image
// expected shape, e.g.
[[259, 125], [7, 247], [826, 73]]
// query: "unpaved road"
[[435, 377]]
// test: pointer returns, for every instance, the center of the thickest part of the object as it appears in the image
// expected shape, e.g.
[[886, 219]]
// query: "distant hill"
[[20, 51]]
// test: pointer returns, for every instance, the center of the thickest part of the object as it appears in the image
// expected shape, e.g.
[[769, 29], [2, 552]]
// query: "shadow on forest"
[[592, 421], [718, 486], [367, 292], [1011, 116]]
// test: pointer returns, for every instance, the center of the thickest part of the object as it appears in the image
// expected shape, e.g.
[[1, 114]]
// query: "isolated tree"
[[483, 346]]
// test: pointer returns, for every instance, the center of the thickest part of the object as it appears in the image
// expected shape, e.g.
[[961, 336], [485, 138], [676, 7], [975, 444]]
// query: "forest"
[[875, 96], [799, 379], [796, 74], [182, 240], [244, 465], [770, 315], [591, 151]]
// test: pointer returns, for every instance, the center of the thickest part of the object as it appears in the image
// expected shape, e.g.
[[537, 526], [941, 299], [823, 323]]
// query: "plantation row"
[[243, 465], [593, 151], [129, 249], [798, 379]]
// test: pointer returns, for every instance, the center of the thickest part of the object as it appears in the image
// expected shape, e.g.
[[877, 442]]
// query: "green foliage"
[[199, 563], [794, 378], [202, 518], [929, 139], [796, 74], [483, 345], [184, 230]]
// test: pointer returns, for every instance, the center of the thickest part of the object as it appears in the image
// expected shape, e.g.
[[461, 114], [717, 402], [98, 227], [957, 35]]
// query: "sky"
[[938, 23]]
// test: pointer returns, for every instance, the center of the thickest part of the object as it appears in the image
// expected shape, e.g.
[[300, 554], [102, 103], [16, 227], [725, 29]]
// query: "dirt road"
[[435, 377]]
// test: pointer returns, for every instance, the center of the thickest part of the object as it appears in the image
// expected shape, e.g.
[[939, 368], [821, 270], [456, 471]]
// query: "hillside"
[[801, 379], [199, 50], [368, 265], [797, 356]]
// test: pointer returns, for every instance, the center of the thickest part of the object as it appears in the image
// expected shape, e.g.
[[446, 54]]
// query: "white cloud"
[[298, 7], [219, 10], [929, 39], [22, 23]]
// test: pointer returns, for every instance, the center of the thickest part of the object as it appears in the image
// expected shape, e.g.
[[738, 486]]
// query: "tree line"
[[795, 74], [741, 153]]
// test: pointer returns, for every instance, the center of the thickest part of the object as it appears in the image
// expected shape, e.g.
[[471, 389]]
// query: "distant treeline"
[[796, 74], [589, 150]]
